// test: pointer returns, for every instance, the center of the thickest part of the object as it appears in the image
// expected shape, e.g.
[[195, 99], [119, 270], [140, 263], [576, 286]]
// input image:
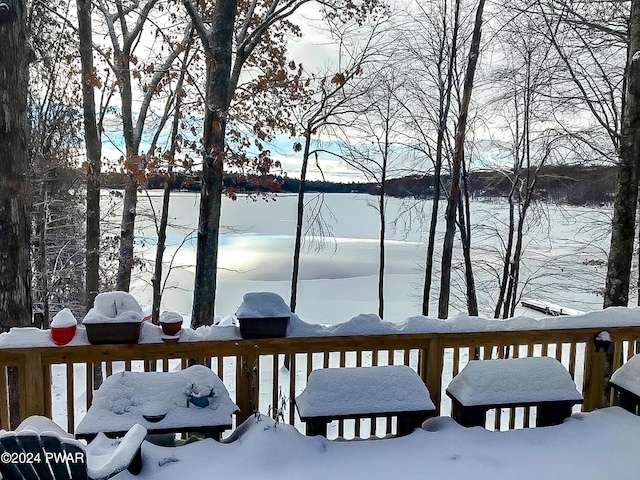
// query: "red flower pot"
[[170, 328], [63, 335]]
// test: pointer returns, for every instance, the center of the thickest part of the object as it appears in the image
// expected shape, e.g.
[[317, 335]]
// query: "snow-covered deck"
[[590, 446]]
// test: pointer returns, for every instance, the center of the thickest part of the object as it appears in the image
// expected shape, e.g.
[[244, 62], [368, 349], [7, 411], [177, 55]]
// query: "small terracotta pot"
[[63, 335], [171, 328]]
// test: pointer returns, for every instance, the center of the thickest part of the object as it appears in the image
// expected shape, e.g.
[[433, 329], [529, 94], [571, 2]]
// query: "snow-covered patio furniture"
[[47, 453], [626, 380], [364, 392], [540, 382], [190, 400], [263, 315], [116, 317]]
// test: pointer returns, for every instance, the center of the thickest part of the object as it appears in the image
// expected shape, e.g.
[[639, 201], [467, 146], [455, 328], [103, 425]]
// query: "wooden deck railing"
[[50, 379]]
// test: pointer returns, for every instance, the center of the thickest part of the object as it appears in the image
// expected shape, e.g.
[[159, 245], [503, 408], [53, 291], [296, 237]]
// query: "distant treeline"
[[572, 184]]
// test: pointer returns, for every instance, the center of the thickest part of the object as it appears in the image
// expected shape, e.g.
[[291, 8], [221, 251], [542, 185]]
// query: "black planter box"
[[107, 333], [265, 327]]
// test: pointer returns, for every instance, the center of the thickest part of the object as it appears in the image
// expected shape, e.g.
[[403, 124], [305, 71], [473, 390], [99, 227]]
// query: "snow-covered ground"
[[590, 446], [564, 257]]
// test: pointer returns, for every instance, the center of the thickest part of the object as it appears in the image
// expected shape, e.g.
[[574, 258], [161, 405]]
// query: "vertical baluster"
[[165, 364], [325, 359], [456, 361], [487, 352], [512, 418], [617, 359], [341, 422], [4, 397], [559, 352], [275, 363], [89, 381], [183, 363], [220, 366], [127, 365], [545, 349], [292, 388], [530, 350], [358, 421], [71, 401], [630, 349], [405, 360], [498, 419], [46, 375], [572, 360], [374, 358], [109, 368]]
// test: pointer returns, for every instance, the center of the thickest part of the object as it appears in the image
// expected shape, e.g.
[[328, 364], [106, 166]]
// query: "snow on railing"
[[58, 381]]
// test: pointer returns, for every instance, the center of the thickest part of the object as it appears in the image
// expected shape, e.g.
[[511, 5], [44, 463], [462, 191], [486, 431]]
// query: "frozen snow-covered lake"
[[563, 262]]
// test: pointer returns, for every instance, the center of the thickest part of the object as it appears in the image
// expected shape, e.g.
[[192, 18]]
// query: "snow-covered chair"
[[39, 449]]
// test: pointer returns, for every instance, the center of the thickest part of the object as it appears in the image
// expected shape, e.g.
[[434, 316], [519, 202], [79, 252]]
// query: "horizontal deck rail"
[[58, 381]]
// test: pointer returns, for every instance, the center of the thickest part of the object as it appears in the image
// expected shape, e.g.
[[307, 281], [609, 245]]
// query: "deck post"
[[246, 388], [594, 370], [33, 381], [434, 371]]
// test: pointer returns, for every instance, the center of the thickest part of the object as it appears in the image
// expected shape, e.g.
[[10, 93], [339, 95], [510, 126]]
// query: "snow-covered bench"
[[627, 381], [364, 392], [540, 382]]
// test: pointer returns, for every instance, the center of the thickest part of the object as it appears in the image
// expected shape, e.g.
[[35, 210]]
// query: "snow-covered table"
[[627, 381], [126, 398], [363, 392], [516, 382]]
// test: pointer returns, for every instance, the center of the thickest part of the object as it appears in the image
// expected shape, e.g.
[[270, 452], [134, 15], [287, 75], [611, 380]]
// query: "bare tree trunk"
[[458, 158], [93, 147], [41, 279], [132, 166], [507, 260], [218, 97], [123, 44], [299, 219], [626, 193], [156, 281], [383, 183], [514, 274], [94, 154], [15, 196], [382, 233], [464, 224], [125, 256], [445, 103], [638, 255]]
